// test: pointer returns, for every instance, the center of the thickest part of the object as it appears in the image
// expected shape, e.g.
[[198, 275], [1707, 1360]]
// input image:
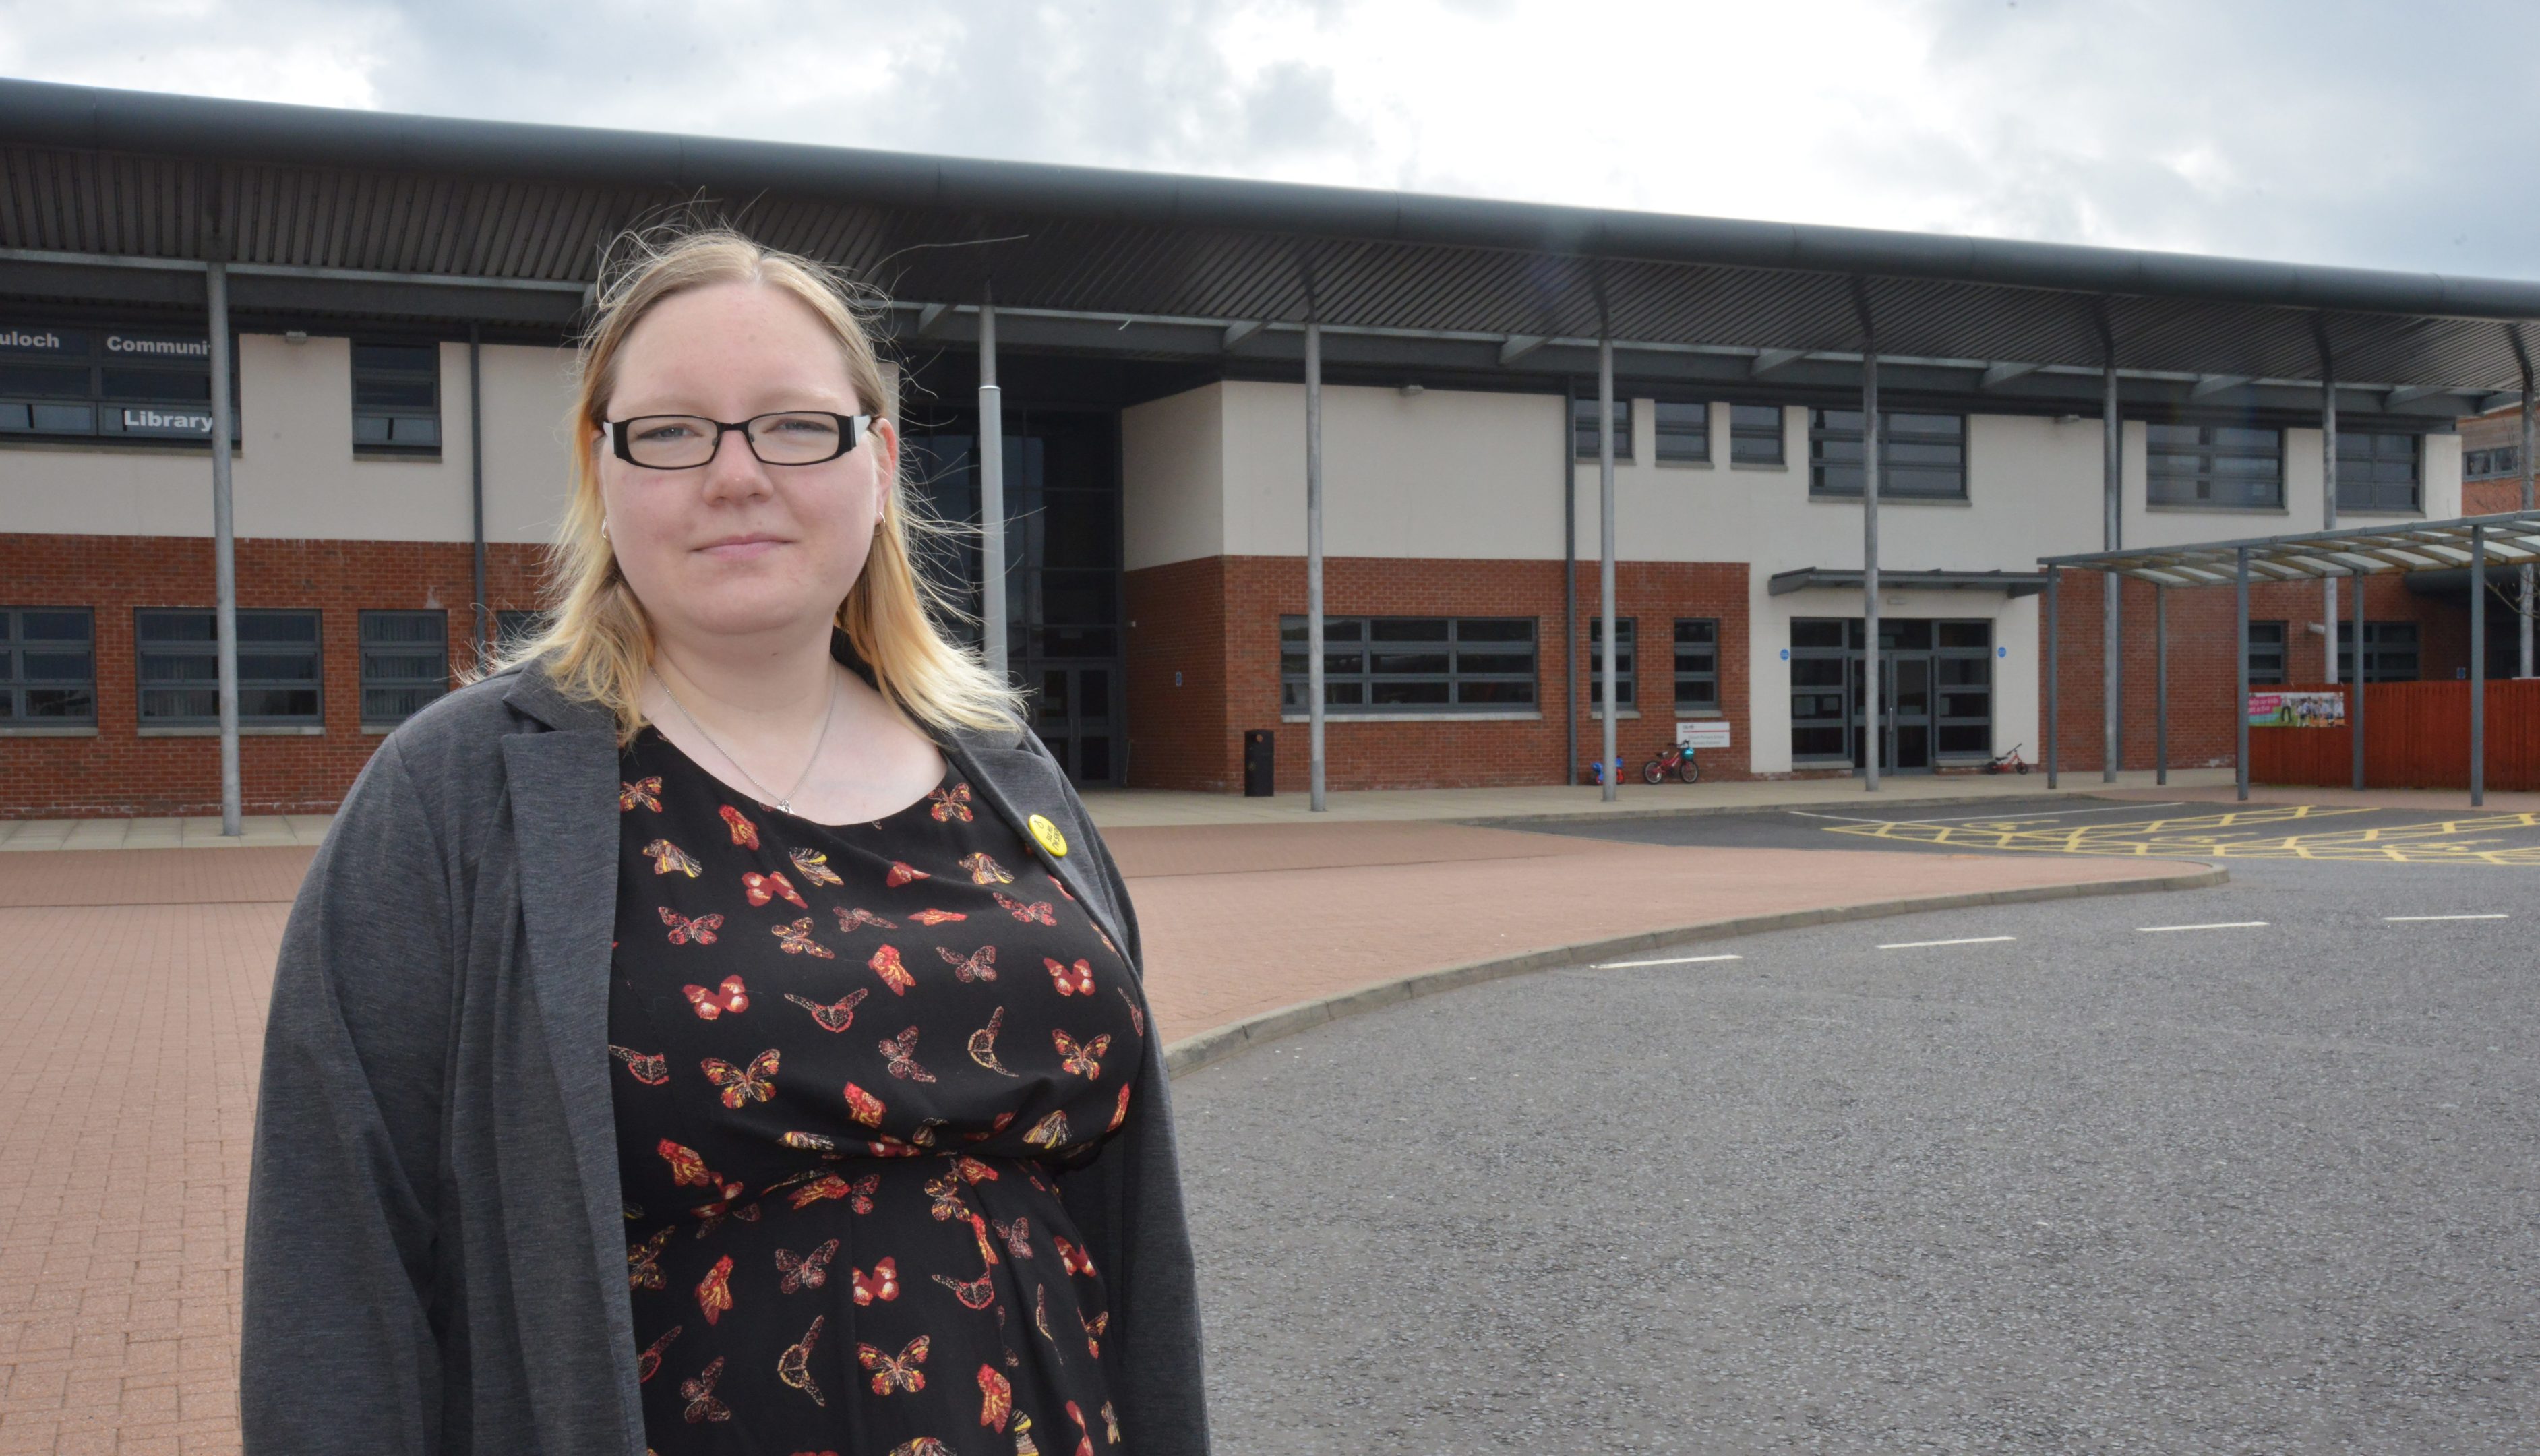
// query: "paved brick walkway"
[[136, 983]]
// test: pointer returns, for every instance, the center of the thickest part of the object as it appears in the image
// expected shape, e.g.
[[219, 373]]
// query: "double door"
[[1072, 711], [1904, 736]]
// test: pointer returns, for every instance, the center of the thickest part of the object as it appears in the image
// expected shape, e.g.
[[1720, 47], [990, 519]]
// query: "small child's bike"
[[1677, 760], [2009, 763]]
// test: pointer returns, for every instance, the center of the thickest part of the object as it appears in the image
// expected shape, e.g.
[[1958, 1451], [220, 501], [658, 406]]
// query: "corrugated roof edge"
[[47, 114]]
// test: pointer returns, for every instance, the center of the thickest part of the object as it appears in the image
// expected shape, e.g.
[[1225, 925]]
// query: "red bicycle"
[[2009, 763], [1677, 759]]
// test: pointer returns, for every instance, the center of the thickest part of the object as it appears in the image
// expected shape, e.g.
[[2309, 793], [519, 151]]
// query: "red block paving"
[[137, 982]]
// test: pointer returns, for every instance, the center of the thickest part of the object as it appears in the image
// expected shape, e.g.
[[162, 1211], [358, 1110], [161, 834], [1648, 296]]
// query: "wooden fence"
[[2415, 735]]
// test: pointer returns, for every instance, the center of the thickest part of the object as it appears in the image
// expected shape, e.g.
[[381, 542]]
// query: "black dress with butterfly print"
[[845, 1059]]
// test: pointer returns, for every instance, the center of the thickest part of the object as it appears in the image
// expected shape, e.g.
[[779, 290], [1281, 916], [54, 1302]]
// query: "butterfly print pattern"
[[773, 1149]]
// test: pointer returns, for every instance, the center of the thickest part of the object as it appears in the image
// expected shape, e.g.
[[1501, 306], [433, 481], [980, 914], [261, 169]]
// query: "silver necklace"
[[785, 804]]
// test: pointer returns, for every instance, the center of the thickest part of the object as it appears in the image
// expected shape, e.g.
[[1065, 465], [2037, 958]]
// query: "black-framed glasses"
[[785, 437]]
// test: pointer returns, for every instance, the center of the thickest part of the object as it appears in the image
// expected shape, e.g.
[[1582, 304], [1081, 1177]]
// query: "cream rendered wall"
[[1172, 474], [1445, 473], [527, 389]]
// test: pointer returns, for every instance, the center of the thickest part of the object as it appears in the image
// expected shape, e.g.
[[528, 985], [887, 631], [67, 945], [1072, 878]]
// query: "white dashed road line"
[[2228, 925], [1970, 941], [1673, 960], [2398, 918]]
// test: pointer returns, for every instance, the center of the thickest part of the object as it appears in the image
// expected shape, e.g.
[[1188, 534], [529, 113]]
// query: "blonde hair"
[[894, 615]]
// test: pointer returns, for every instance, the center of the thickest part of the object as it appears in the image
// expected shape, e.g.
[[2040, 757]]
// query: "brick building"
[[402, 292]]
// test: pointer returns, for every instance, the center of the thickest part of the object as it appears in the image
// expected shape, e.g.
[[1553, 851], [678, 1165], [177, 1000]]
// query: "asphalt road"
[[2091, 1187]]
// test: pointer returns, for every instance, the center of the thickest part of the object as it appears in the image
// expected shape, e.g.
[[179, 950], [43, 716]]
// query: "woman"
[[616, 1098]]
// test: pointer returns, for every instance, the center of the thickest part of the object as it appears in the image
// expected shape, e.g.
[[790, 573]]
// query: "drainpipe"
[[481, 630], [216, 291]]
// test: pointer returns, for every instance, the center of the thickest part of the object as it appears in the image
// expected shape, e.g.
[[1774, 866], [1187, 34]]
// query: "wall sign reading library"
[[90, 382]]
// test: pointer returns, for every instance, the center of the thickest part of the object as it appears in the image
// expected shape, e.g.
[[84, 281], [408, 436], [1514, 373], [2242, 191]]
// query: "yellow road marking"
[[2258, 832]]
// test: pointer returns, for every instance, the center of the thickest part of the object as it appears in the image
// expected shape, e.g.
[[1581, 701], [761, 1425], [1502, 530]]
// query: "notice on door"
[[1703, 733], [2297, 710]]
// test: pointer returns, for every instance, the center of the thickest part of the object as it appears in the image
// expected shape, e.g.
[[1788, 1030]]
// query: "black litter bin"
[[1260, 765]]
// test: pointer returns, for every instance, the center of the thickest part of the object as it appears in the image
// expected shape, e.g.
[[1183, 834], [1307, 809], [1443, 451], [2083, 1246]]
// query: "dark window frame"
[[2496, 462], [1945, 694], [1898, 448], [1355, 646], [2386, 645], [99, 388], [2270, 642], [2194, 488], [2364, 455], [1748, 431], [1582, 427], [204, 681], [1627, 661], [392, 428], [31, 700], [1696, 677], [388, 697], [1677, 429]]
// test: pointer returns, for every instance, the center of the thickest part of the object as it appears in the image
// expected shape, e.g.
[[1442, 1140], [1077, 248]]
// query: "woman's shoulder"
[[456, 739]]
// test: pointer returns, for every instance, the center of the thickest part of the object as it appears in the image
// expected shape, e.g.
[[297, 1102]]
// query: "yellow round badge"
[[1048, 835]]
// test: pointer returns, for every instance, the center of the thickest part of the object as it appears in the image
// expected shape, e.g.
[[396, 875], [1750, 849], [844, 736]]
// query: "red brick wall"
[[1216, 622], [119, 773], [2492, 497], [2203, 674]]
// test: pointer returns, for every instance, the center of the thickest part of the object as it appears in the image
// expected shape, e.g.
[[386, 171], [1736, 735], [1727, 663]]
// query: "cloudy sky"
[[2382, 135]]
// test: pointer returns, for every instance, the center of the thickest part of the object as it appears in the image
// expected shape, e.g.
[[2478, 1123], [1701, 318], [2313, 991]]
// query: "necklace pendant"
[[784, 805]]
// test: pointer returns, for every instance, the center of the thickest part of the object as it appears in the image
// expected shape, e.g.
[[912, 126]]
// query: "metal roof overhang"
[[2010, 583], [2512, 540], [111, 196]]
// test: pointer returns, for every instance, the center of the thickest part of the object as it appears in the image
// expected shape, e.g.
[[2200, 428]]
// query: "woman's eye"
[[806, 425]]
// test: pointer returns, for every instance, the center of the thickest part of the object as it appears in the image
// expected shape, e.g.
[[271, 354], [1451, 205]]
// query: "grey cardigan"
[[435, 1259]]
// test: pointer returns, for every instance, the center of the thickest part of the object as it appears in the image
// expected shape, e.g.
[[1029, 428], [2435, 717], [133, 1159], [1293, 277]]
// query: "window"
[[2375, 471], [1822, 665], [1920, 456], [1755, 435], [1697, 665], [48, 666], [2267, 653], [113, 383], [180, 666], [1413, 665], [2479, 464], [2389, 652], [2230, 466], [1684, 432], [397, 398], [1624, 663], [1964, 671], [406, 664], [1582, 426]]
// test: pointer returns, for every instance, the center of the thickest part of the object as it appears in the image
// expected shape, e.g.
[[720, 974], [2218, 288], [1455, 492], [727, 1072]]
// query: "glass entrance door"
[[1072, 713], [1908, 712]]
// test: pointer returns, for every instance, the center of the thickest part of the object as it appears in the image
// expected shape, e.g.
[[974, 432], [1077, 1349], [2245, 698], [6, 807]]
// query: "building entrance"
[[1934, 686]]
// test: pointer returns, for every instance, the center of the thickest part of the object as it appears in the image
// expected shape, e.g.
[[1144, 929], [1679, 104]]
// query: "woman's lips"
[[741, 550]]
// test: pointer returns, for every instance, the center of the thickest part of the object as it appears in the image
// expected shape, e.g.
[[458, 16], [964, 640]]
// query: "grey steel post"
[[993, 647], [1570, 581], [2112, 605], [2477, 667], [2240, 678], [1611, 775], [216, 290], [2054, 668], [2530, 599], [482, 616], [2161, 682], [2328, 521], [1315, 561], [2355, 728], [1872, 746]]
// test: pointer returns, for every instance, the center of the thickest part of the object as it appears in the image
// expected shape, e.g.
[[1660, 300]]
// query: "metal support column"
[[2530, 599], [2477, 667], [2161, 682], [2328, 521], [216, 290], [1314, 562], [2240, 681], [2054, 668], [1872, 659], [2113, 604], [992, 646], [2355, 723], [480, 621], [1611, 775]]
